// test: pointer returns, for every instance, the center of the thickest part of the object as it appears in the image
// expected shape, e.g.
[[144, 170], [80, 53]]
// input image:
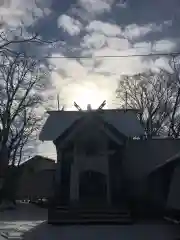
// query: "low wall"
[[174, 194], [36, 185], [141, 157]]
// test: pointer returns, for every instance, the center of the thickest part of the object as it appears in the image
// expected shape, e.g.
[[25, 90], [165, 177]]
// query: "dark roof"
[[69, 130], [110, 127], [170, 163], [85, 112], [124, 121], [35, 158]]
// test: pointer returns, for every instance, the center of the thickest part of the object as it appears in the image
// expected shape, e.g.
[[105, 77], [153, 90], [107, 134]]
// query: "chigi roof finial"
[[89, 107]]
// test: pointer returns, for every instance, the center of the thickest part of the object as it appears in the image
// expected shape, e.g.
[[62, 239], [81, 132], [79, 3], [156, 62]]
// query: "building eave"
[[171, 162], [124, 121]]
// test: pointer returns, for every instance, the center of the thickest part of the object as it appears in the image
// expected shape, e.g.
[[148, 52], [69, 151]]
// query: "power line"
[[173, 54]]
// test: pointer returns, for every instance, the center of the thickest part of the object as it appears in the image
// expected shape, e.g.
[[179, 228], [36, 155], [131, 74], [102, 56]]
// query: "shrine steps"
[[88, 216]]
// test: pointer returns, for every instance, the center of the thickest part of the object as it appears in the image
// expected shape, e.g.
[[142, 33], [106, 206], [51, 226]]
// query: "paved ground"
[[31, 221]]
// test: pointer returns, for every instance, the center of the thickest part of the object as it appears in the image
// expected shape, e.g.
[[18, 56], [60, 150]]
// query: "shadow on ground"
[[32, 222]]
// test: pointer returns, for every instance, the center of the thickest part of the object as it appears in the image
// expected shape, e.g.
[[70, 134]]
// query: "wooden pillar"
[[58, 169], [57, 178], [74, 187], [108, 179], [108, 189], [74, 182]]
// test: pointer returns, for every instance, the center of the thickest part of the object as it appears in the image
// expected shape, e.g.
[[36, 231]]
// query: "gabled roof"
[[125, 122], [82, 123], [170, 163], [35, 158]]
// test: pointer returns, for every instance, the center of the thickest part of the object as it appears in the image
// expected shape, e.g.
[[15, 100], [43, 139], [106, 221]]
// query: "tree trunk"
[[3, 170], [4, 161]]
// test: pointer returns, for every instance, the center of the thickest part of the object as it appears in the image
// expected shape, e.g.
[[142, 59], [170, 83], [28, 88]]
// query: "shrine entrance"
[[92, 189]]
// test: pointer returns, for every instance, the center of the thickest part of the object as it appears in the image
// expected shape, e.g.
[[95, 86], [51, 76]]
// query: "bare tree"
[[157, 95], [22, 81], [21, 134], [174, 126], [22, 84], [13, 38]]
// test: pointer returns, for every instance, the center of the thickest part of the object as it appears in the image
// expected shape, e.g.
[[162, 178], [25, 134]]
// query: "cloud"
[[96, 6], [47, 149], [164, 45], [11, 17], [133, 31], [119, 66], [161, 63], [106, 28], [93, 84], [69, 24], [118, 43], [122, 3], [93, 40], [96, 28], [13, 13], [70, 67], [97, 41]]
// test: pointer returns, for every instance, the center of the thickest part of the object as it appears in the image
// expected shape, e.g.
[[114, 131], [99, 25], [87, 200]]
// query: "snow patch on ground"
[[21, 220]]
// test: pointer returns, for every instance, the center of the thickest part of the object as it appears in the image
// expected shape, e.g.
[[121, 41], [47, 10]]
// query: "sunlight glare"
[[87, 96]]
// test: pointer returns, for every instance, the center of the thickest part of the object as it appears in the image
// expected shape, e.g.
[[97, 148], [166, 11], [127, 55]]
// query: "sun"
[[86, 96]]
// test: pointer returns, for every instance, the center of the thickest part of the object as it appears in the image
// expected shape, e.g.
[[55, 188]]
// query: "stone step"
[[127, 214], [89, 210], [72, 216], [98, 216], [91, 221], [94, 216]]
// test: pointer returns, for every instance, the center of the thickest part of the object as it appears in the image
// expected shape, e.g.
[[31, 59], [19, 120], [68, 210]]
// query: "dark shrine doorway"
[[92, 189]]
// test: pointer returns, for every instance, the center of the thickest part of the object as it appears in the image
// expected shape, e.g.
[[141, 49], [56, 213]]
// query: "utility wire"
[[173, 54]]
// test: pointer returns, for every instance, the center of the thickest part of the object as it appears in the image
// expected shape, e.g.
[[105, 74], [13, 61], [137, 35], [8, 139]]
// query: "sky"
[[93, 28]]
